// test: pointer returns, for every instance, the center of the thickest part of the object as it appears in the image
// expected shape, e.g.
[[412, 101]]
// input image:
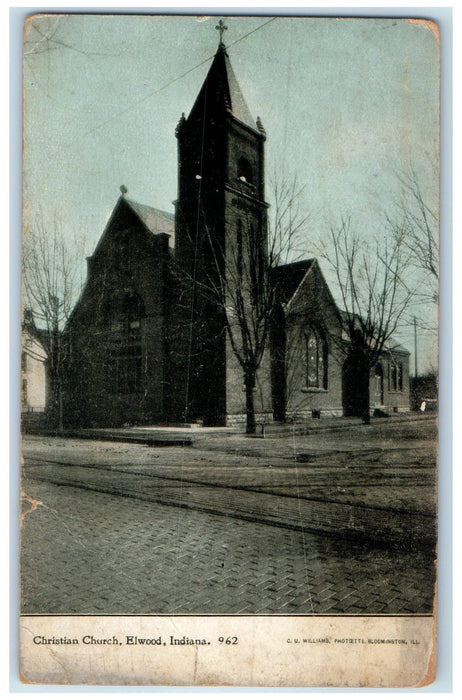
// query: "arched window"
[[125, 357], [133, 311], [395, 376], [244, 171], [315, 360]]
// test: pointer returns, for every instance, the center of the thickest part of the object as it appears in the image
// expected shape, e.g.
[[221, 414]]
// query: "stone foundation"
[[390, 409], [310, 413], [240, 419]]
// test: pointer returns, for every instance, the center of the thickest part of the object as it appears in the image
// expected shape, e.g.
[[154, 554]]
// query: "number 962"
[[227, 640]]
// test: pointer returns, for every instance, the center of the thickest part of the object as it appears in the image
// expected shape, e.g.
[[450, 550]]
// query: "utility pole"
[[415, 346]]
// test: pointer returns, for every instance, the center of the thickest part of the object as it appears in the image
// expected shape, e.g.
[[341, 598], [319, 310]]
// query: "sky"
[[347, 104]]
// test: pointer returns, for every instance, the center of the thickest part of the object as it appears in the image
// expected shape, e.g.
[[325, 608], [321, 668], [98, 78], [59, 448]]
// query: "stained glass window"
[[316, 360]]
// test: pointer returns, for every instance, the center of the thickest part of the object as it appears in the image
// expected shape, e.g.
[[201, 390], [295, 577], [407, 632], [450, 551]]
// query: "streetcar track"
[[255, 489]]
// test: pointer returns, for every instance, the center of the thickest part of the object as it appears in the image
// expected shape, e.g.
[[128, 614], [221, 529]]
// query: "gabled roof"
[[221, 88], [156, 220], [393, 346], [390, 346], [286, 279]]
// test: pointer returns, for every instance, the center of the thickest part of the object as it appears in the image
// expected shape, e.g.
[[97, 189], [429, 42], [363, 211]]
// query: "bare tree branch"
[[287, 242], [375, 294], [417, 226], [51, 282]]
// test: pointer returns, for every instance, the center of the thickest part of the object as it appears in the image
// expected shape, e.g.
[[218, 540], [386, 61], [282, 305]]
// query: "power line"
[[171, 82], [252, 32]]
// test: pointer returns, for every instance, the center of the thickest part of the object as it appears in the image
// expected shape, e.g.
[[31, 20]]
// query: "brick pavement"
[[92, 553], [75, 547], [294, 506]]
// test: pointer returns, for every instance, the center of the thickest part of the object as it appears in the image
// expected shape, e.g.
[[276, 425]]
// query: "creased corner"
[[429, 24]]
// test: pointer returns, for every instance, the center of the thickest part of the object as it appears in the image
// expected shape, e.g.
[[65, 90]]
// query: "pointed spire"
[[179, 126], [221, 88], [260, 127]]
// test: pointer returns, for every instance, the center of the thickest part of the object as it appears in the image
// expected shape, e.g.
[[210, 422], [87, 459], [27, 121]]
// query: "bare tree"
[[417, 227], [249, 287], [236, 285], [375, 295], [420, 230], [239, 286], [52, 276], [287, 221]]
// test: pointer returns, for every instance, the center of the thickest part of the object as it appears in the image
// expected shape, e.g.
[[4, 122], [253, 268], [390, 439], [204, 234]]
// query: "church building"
[[164, 329]]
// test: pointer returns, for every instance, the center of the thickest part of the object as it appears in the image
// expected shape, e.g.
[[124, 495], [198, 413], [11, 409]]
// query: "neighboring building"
[[147, 340], [33, 373]]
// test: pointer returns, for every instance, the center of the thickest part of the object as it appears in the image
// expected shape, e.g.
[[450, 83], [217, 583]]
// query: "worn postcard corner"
[[229, 351]]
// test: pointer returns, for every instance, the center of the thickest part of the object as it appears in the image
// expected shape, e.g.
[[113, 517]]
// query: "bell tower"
[[220, 210]]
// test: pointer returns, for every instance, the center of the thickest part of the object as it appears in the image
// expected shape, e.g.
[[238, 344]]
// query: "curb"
[[266, 431]]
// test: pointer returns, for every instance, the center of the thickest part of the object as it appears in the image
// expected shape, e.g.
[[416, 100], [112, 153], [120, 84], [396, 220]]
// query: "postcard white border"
[[444, 17]]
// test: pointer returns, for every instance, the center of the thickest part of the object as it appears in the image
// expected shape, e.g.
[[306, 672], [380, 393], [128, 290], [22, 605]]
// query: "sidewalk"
[[177, 435]]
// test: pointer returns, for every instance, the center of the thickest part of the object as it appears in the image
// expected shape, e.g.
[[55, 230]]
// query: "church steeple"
[[220, 216], [220, 154], [221, 90]]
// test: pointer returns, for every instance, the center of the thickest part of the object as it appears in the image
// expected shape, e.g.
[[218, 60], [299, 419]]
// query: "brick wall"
[[389, 385], [312, 309], [128, 260]]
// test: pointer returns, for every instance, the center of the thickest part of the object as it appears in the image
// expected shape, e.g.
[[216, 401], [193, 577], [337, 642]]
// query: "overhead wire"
[[135, 104]]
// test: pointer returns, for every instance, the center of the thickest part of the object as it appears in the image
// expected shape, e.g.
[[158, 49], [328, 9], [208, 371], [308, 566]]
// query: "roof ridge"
[[305, 261], [131, 201]]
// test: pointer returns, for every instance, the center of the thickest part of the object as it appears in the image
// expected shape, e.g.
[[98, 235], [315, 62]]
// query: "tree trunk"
[[249, 403], [60, 407], [55, 404], [355, 386], [367, 406]]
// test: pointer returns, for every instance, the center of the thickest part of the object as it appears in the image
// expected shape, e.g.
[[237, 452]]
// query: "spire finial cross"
[[221, 27]]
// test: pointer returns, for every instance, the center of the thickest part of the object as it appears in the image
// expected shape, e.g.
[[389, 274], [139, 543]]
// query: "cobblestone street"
[[128, 529]]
